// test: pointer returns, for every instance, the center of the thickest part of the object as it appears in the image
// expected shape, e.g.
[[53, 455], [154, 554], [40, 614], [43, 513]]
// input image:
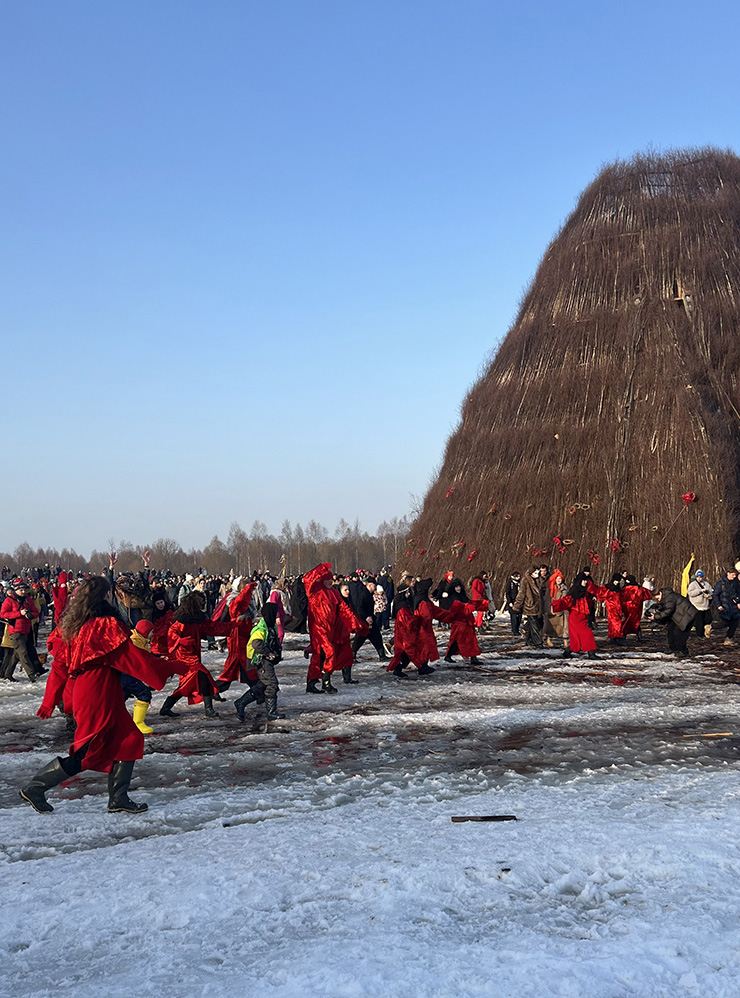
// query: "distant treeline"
[[244, 552]]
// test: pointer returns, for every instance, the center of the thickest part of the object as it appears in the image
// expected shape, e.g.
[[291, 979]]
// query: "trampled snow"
[[319, 859]]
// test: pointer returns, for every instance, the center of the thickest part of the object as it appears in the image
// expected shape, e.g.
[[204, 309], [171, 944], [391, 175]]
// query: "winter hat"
[[188, 577], [269, 614], [144, 627], [236, 584]]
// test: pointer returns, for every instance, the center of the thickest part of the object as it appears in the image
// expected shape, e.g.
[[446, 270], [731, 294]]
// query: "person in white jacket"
[[700, 596]]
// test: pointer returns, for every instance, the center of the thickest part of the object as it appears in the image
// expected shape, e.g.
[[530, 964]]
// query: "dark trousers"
[[676, 637], [18, 650], [732, 620], [533, 631], [133, 687], [268, 676], [374, 637], [516, 621], [702, 618]]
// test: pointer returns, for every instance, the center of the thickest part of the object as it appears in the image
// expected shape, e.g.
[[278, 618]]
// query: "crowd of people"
[[118, 637], [548, 609]]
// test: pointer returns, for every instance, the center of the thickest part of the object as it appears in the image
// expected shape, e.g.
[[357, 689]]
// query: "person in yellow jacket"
[[141, 637]]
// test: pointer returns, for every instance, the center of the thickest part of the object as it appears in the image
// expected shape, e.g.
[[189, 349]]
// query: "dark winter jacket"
[[362, 601], [512, 591], [673, 606], [727, 595]]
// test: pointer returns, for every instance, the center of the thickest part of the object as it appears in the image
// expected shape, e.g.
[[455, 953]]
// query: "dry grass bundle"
[[614, 395]]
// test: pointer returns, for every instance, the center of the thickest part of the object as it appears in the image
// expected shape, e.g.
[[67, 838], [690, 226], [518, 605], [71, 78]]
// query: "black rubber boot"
[[399, 673], [272, 711], [48, 777], [119, 780], [326, 686], [166, 709], [208, 704], [426, 670], [242, 703], [347, 676], [592, 654], [449, 658], [566, 652], [475, 661], [312, 687]]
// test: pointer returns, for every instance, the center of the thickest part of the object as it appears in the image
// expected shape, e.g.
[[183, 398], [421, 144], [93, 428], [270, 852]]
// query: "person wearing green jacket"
[[263, 654]]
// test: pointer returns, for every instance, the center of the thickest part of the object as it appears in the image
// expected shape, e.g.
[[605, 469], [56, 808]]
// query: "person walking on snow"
[[106, 738], [529, 604], [264, 651], [578, 606], [677, 613], [330, 621], [189, 626]]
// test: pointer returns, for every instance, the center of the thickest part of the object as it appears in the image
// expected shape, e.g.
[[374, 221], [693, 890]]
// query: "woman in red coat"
[[611, 596], [189, 626], [59, 686], [477, 595], [406, 644], [161, 620], [577, 604], [633, 597], [106, 739], [424, 610], [463, 640], [330, 621], [235, 666]]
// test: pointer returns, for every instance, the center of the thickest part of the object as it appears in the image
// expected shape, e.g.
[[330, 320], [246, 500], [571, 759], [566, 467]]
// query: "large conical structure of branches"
[[607, 428]]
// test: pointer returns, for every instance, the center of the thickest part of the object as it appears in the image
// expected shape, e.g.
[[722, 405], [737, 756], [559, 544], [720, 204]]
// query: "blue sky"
[[254, 253]]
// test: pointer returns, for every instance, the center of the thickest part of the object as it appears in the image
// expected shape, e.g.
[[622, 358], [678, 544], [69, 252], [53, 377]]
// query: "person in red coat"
[[59, 594], [330, 622], [59, 686], [424, 610], [189, 626], [578, 606], [162, 612], [235, 667], [611, 596], [106, 739], [633, 598], [463, 640], [477, 595], [406, 646], [19, 611]]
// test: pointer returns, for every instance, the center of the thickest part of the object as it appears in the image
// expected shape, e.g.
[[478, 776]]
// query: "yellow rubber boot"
[[140, 709]]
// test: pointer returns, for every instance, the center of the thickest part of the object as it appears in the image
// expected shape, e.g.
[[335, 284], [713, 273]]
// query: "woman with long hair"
[[189, 625], [106, 739]]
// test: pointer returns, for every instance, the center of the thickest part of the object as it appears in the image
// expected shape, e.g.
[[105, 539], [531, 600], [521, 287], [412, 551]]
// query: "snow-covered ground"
[[319, 858]]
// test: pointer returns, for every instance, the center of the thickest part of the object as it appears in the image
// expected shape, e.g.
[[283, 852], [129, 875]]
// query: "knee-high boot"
[[140, 709], [119, 780], [326, 686], [272, 711], [166, 709], [50, 776], [208, 704]]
